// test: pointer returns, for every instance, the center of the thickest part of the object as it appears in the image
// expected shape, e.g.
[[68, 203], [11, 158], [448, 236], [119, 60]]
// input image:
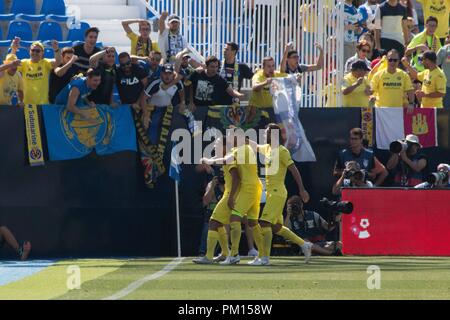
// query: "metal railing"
[[262, 28]]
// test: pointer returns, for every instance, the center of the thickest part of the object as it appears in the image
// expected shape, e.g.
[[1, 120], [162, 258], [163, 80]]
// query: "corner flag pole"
[[178, 219]]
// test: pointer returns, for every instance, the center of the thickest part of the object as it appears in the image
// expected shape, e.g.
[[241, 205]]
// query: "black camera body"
[[437, 177], [357, 174], [337, 207]]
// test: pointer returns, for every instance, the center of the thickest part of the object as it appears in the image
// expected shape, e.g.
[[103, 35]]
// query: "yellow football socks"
[[213, 237], [235, 233], [267, 236], [289, 235], [258, 237], [223, 241]]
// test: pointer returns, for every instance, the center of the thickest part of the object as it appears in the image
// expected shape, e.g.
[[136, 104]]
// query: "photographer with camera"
[[364, 157], [309, 225], [406, 163], [437, 180], [352, 176]]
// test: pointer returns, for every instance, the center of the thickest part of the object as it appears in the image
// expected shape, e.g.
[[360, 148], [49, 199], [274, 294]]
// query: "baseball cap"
[[186, 54], [10, 58], [174, 17], [167, 68], [412, 138], [360, 65]]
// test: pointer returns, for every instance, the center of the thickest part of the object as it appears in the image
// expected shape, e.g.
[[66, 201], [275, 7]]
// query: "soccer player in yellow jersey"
[[277, 161], [221, 213], [433, 81], [390, 85]]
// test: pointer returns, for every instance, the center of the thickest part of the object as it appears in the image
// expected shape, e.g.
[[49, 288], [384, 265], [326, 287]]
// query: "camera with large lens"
[[356, 174], [398, 146], [437, 177], [337, 206]]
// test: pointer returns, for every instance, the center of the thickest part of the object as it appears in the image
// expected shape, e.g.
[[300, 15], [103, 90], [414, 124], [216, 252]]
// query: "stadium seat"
[[23, 6], [3, 15], [48, 53], [21, 53], [78, 34], [5, 43], [30, 17], [61, 44], [50, 31], [57, 7], [19, 29]]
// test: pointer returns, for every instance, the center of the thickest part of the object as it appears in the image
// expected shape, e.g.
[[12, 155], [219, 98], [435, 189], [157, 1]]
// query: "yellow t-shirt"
[[357, 98], [439, 9], [142, 48], [227, 176], [263, 98], [331, 91], [8, 85], [245, 162], [390, 89], [432, 81], [277, 161], [35, 80]]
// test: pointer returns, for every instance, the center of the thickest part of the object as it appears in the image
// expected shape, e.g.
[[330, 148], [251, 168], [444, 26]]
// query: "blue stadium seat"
[[19, 29], [78, 34], [50, 31], [48, 53], [23, 6], [21, 53], [30, 17], [5, 43], [57, 7], [61, 44], [2, 7]]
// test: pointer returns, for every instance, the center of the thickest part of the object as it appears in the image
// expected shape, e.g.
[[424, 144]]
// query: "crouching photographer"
[[437, 180], [309, 225], [352, 176], [406, 162]]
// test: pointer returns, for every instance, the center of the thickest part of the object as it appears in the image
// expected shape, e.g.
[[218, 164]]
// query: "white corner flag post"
[[174, 173]]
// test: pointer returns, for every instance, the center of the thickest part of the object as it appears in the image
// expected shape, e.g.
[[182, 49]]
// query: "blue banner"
[[69, 136]]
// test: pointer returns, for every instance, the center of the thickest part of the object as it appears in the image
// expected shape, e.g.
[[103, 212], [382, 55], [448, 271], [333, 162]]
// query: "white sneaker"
[[219, 258], [252, 253], [264, 261], [306, 248], [202, 260], [231, 260]]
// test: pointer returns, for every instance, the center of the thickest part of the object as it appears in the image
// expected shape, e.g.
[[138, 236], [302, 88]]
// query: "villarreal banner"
[[34, 141], [69, 136], [286, 102]]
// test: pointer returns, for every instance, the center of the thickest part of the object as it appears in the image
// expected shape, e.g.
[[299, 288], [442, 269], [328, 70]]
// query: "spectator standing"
[[105, 62], [290, 63], [151, 64], [170, 39], [208, 87], [36, 71], [352, 19], [131, 80], [392, 24], [368, 12], [363, 49], [443, 60], [356, 87], [61, 76], [441, 10], [409, 165], [11, 83], [424, 41], [142, 44], [390, 85], [433, 81], [85, 50], [364, 157]]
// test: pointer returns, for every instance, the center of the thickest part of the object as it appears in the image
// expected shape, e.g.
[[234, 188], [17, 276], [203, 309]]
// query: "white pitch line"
[[136, 284]]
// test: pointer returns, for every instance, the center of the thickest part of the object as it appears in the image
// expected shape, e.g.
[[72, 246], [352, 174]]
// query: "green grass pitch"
[[287, 278]]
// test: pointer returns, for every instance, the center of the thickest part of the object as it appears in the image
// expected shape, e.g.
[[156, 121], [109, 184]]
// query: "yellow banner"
[[34, 141], [367, 125]]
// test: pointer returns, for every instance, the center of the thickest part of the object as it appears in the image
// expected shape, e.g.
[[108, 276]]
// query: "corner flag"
[[175, 167]]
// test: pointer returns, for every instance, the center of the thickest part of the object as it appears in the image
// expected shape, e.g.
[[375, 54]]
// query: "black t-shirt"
[[208, 90], [130, 86], [56, 83], [103, 93], [244, 72], [83, 58]]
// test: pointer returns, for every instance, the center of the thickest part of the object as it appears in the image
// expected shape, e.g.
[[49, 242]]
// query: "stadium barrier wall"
[[99, 206], [405, 222]]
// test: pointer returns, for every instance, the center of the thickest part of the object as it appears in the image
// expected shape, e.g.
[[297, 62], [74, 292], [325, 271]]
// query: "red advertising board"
[[397, 222]]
